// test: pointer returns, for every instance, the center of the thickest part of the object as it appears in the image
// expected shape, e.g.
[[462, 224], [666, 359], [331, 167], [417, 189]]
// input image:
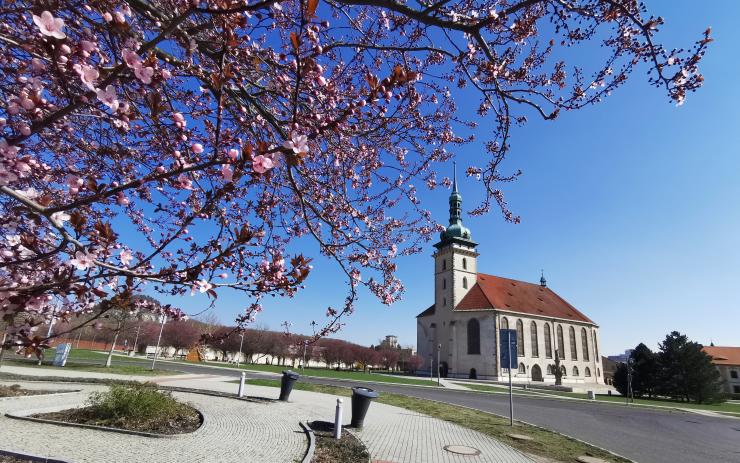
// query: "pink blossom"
[[107, 17], [202, 286], [144, 74], [125, 256], [121, 199], [226, 172], [233, 154], [108, 97], [166, 74], [59, 218], [184, 182], [262, 164], [119, 17], [196, 148], [130, 57], [87, 46], [88, 75], [83, 260], [74, 182], [297, 143], [49, 25], [179, 119]]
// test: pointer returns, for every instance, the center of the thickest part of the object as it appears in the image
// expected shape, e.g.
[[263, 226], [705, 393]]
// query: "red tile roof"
[[723, 355], [492, 292], [429, 311]]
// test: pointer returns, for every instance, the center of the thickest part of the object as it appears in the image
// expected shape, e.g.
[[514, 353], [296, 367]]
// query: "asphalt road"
[[642, 434]]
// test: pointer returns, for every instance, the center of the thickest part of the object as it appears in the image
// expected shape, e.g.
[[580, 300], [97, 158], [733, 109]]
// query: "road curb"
[[311, 442]]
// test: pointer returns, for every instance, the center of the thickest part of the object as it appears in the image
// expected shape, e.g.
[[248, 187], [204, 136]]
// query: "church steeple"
[[456, 231]]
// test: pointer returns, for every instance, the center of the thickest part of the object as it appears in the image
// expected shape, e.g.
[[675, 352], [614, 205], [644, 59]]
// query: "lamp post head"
[[439, 346]]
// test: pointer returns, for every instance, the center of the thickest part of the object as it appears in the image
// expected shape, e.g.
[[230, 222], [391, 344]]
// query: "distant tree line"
[[679, 370]]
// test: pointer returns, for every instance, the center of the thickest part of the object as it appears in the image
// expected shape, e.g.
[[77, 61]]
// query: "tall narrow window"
[[444, 283], [548, 341], [573, 346], [444, 301], [444, 264], [465, 283], [504, 323], [522, 368], [533, 338], [519, 338], [584, 342], [575, 371], [596, 347], [473, 337], [465, 263], [561, 343]]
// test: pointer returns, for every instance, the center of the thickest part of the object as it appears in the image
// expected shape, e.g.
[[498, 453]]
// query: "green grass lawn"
[[720, 407], [78, 361], [554, 446], [341, 374]]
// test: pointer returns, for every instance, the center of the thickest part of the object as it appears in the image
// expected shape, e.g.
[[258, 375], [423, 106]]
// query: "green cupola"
[[455, 231]]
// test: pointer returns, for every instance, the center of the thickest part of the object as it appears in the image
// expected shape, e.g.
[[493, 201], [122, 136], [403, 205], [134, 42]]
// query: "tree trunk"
[[110, 352], [2, 347]]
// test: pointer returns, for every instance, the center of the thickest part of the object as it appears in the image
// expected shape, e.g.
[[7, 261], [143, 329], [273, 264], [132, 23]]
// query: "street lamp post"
[[136, 340], [241, 343], [439, 349], [159, 339], [305, 346], [431, 367]]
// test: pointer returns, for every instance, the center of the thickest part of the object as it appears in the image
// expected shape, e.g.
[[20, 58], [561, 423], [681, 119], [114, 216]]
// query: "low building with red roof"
[[463, 325], [727, 361]]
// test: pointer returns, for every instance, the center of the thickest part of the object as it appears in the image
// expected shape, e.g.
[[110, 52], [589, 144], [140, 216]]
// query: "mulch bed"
[[15, 390], [348, 449], [184, 422], [9, 459]]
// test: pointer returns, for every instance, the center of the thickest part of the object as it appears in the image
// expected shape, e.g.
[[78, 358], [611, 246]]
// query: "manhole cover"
[[462, 450]]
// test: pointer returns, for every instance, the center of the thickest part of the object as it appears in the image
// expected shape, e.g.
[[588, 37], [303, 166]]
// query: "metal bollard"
[[338, 420], [241, 384]]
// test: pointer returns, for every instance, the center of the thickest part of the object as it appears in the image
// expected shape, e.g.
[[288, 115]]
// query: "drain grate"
[[462, 449]]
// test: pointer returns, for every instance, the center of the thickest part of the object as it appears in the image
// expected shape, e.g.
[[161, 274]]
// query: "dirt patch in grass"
[[9, 459], [348, 449], [15, 390], [140, 408]]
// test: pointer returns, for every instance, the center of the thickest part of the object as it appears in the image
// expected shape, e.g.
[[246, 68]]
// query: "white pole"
[[156, 352], [431, 367], [303, 364], [241, 384], [338, 420], [136, 340], [239, 357], [511, 396], [439, 349]]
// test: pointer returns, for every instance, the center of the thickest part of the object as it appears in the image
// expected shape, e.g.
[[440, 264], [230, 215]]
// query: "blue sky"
[[632, 207]]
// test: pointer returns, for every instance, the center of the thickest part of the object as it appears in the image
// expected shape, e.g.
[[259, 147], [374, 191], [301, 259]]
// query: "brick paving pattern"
[[247, 431]]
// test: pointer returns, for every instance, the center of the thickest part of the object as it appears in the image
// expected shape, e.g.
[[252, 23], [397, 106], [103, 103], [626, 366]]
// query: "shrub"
[[139, 403]]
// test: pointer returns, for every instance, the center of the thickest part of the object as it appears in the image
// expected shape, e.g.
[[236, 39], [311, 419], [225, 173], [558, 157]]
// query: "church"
[[470, 307]]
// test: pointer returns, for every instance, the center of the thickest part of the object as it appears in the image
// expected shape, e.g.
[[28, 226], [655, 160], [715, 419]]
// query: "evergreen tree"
[[620, 379], [645, 372], [687, 373]]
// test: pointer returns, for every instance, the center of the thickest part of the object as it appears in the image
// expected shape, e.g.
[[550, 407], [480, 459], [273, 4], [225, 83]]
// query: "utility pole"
[[156, 352], [431, 367], [305, 346], [511, 394], [439, 349], [241, 343]]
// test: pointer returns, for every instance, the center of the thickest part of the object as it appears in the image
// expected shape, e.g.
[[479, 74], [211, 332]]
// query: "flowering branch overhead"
[[184, 146]]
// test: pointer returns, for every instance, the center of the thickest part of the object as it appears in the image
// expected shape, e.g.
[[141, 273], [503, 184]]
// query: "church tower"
[[455, 261]]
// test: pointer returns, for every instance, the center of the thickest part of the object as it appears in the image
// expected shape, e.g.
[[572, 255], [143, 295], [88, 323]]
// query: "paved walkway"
[[244, 431]]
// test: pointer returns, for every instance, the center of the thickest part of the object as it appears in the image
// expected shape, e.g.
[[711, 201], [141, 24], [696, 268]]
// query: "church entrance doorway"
[[473, 374], [537, 373], [443, 369]]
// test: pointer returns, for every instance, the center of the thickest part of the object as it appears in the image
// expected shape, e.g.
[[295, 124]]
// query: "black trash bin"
[[361, 398], [286, 384]]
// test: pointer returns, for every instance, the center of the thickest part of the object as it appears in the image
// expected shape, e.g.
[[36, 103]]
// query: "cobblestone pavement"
[[233, 431], [251, 432]]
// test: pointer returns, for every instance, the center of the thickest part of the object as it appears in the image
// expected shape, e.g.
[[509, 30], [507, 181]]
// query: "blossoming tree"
[[185, 144]]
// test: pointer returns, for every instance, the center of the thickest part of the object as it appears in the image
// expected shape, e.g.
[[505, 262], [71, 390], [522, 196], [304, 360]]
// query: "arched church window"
[[596, 347], [465, 263], [504, 323], [584, 344], [598, 372], [522, 368], [548, 341], [465, 283], [533, 338], [587, 372], [519, 338], [473, 337], [575, 371], [573, 351], [549, 370], [562, 369], [561, 343]]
